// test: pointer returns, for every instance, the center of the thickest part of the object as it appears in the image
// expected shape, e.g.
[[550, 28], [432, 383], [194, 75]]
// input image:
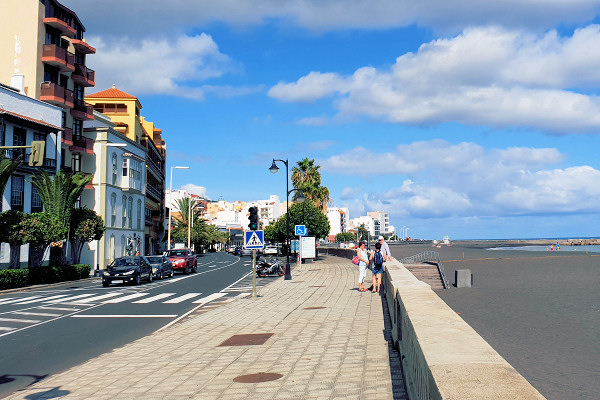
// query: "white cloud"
[[440, 15], [485, 76], [195, 189], [171, 67], [466, 179]]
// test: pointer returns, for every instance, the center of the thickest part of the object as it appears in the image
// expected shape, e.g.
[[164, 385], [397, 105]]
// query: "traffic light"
[[253, 225], [36, 158]]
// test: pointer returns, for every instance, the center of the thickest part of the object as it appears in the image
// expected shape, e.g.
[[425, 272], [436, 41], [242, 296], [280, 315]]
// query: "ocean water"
[[593, 248]]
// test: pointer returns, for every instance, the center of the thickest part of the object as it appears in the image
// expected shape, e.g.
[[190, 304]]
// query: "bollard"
[[463, 278]]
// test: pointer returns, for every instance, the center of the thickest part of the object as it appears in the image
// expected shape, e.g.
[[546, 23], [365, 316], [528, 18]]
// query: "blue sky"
[[469, 119]]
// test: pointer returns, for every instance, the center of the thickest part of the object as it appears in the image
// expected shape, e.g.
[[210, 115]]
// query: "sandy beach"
[[539, 309]]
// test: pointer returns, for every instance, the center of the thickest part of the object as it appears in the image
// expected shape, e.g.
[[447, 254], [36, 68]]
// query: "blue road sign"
[[301, 230], [254, 239]]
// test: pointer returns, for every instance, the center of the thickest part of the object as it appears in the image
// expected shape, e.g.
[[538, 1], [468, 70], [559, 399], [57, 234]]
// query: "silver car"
[[161, 266]]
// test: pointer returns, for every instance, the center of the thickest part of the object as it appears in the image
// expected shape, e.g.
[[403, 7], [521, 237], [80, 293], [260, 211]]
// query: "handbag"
[[355, 260]]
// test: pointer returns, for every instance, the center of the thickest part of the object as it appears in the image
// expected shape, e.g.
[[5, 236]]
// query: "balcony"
[[83, 76], [81, 144], [67, 136], [155, 193], [15, 154], [57, 95], [61, 25], [82, 110], [82, 46], [58, 57]]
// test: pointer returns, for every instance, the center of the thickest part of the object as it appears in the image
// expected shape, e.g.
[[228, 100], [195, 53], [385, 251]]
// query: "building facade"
[[338, 220], [124, 111]]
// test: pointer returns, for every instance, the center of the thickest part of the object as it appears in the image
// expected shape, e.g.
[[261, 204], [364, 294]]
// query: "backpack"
[[378, 258]]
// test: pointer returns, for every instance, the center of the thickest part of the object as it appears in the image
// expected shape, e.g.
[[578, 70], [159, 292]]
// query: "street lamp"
[[274, 168], [170, 205]]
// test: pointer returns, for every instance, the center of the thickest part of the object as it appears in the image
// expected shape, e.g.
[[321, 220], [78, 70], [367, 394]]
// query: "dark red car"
[[183, 260]]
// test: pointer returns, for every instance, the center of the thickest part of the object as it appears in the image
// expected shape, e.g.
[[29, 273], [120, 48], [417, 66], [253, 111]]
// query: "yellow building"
[[124, 111], [44, 57]]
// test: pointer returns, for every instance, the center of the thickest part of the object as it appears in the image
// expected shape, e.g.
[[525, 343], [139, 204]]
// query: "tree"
[[85, 226], [40, 230], [363, 233], [7, 167], [344, 237], [306, 176], [9, 222], [306, 214]]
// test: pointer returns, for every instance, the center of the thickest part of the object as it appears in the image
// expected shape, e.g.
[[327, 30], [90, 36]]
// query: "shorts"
[[377, 269]]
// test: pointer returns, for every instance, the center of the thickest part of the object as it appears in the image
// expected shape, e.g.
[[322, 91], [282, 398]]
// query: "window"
[[18, 140], [36, 201], [114, 168], [77, 127], [107, 108], [130, 212], [111, 248], [139, 215], [78, 92], [113, 210], [2, 133], [124, 167], [16, 192], [124, 217], [76, 162]]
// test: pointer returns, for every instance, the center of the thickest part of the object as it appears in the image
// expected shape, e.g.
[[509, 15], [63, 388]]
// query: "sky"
[[472, 119]]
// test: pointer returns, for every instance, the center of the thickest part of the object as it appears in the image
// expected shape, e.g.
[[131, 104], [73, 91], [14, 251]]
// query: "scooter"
[[265, 267]]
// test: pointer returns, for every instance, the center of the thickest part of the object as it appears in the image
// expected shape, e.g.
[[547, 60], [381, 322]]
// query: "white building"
[[23, 120], [381, 221], [368, 222], [339, 220], [118, 195]]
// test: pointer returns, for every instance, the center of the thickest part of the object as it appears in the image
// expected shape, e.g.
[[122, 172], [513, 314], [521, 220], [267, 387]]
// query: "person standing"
[[377, 257], [385, 249], [363, 261]]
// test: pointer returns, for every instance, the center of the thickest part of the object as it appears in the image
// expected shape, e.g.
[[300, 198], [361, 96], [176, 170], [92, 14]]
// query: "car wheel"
[[105, 283], [161, 275], [186, 271], [172, 273], [195, 269], [138, 279], [150, 276]]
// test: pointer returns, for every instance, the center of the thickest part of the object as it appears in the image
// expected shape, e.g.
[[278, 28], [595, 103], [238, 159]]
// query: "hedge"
[[14, 278]]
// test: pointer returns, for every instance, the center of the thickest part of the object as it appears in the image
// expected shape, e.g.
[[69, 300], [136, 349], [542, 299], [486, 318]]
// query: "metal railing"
[[429, 257]]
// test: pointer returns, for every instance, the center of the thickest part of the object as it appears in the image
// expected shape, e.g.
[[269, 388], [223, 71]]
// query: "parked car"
[[183, 260], [127, 269], [161, 266], [245, 252], [237, 251], [270, 250]]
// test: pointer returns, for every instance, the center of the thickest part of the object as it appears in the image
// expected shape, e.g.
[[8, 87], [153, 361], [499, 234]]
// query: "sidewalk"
[[328, 341]]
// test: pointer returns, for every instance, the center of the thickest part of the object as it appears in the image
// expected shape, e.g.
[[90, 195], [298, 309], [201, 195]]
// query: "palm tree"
[[7, 167], [306, 176]]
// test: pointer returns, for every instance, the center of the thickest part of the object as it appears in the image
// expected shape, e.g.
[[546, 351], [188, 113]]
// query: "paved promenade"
[[324, 338]]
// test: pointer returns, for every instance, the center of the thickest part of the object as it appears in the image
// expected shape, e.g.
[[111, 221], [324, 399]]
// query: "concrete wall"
[[442, 356]]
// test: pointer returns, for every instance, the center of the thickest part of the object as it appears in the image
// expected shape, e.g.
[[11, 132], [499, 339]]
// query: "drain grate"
[[257, 378], [313, 308], [251, 339]]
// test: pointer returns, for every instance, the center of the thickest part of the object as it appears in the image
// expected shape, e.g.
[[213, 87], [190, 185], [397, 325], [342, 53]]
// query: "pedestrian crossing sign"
[[254, 239]]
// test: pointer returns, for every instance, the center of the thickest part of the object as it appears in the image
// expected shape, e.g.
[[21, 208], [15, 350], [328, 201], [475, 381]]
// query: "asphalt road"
[[49, 329], [539, 310]]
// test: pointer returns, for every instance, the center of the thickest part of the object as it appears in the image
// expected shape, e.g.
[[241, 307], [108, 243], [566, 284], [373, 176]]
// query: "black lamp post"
[[274, 168]]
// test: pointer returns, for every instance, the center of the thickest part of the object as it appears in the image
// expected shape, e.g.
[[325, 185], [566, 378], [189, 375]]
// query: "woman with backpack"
[[377, 258]]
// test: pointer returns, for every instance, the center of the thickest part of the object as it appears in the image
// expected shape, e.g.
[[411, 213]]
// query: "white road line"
[[101, 297], [181, 298], [125, 316], [35, 314], [125, 298], [6, 299], [29, 321], [6, 329], [68, 299], [16, 300], [58, 308], [234, 283], [209, 298], [41, 299], [153, 298]]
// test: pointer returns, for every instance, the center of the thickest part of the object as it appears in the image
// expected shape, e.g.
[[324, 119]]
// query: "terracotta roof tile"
[[112, 93], [26, 118]]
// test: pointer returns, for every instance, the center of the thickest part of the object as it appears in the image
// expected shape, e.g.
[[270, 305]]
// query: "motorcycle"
[[265, 267]]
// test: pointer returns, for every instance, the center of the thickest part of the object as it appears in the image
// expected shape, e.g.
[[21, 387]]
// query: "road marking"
[[181, 298], [41, 299], [209, 298], [153, 298], [16, 300], [58, 308], [103, 296], [4, 328], [71, 298], [125, 316], [35, 314], [125, 298], [30, 321]]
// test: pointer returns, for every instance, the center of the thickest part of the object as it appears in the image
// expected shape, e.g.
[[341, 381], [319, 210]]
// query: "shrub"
[[13, 278]]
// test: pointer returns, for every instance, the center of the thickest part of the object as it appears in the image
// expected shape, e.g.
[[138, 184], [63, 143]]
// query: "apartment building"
[[119, 193], [381, 222], [44, 56], [22, 120], [338, 220], [124, 111]]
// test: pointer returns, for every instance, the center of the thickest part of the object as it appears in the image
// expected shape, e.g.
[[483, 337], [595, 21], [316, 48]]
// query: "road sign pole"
[[254, 274]]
